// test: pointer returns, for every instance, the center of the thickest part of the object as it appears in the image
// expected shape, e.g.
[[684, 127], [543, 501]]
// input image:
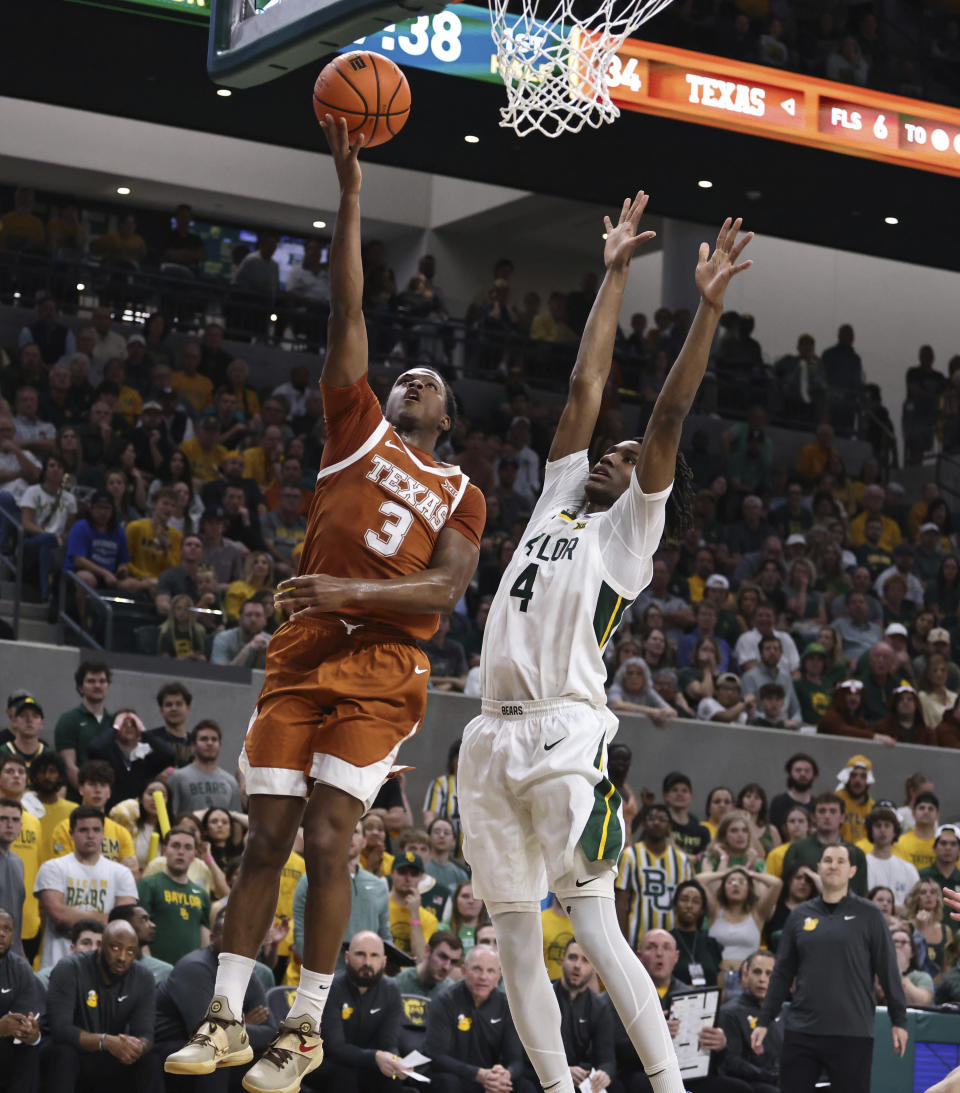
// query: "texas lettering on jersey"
[[403, 485]]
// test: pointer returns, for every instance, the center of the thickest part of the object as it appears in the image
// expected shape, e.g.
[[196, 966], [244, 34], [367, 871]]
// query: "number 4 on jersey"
[[523, 585]]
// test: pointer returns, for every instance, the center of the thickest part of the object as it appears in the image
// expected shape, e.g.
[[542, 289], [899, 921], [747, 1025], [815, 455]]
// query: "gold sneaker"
[[296, 1050], [219, 1040]]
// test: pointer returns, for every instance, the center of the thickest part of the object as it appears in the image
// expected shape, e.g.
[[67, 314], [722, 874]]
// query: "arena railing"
[[66, 622]]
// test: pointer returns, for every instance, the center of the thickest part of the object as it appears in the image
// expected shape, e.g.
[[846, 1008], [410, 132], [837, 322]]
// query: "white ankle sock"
[[312, 995], [233, 978]]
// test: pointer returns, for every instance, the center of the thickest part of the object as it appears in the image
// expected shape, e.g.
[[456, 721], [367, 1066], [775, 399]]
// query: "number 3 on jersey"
[[392, 531], [523, 585]]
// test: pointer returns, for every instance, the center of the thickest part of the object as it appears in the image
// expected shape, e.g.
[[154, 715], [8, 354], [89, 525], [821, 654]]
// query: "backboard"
[[253, 41]]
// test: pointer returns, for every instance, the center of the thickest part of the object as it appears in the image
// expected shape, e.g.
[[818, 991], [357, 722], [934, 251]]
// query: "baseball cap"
[[215, 513], [905, 688], [938, 634], [946, 827], [209, 419], [99, 495], [27, 702], [929, 526], [728, 677], [856, 762], [152, 404], [850, 685], [138, 338], [895, 628], [13, 696], [408, 860], [717, 580], [796, 539], [895, 487], [814, 649]]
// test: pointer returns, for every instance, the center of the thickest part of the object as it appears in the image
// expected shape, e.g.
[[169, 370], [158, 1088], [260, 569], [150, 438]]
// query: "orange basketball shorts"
[[335, 708]]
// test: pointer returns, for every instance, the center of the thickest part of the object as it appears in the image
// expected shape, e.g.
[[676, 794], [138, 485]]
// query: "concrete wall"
[[711, 754]]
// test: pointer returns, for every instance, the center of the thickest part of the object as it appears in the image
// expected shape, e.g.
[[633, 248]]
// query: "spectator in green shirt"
[[180, 908], [444, 953], [77, 727]]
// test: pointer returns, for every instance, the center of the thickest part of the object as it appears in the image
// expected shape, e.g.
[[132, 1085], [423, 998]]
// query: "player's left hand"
[[716, 271], [313, 594], [900, 1037]]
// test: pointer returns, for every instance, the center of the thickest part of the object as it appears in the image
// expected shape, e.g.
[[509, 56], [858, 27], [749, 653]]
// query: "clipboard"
[[695, 1010]]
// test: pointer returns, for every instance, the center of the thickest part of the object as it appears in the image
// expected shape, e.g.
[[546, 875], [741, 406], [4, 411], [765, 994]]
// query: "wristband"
[[414, 922], [102, 1038]]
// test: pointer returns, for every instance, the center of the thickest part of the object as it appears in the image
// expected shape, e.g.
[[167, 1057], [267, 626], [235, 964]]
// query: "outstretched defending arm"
[[661, 439], [595, 356], [346, 359]]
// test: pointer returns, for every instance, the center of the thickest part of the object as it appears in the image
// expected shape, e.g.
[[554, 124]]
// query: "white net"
[[555, 60]]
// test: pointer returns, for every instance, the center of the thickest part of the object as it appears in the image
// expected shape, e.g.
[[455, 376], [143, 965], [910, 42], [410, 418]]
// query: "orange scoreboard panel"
[[676, 83]]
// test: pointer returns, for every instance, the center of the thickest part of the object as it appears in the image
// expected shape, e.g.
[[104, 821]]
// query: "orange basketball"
[[367, 89]]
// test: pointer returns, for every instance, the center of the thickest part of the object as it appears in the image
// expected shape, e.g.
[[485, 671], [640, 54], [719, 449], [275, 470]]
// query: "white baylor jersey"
[[566, 588]]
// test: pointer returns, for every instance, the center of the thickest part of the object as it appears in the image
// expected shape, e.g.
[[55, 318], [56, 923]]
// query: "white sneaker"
[[219, 1040], [296, 1050]]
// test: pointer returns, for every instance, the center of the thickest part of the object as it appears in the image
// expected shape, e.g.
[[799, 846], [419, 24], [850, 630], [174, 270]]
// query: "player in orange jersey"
[[392, 541]]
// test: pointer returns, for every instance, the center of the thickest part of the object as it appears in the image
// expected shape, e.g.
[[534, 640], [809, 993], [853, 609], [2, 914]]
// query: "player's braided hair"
[[451, 408], [678, 513]]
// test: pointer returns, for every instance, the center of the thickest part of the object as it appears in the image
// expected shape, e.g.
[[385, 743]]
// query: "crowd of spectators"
[[906, 49], [111, 923]]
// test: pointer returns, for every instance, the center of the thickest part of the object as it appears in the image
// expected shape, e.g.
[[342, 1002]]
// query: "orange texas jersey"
[[380, 504]]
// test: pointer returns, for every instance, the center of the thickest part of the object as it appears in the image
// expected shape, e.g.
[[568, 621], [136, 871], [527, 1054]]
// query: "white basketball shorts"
[[538, 811]]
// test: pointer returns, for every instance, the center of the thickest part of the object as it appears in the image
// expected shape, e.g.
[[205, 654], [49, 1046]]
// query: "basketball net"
[[556, 65]]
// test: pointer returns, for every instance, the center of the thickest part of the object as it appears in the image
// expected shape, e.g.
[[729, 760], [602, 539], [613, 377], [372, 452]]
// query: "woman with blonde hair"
[[734, 845], [257, 577], [181, 636], [924, 905], [806, 610], [935, 697]]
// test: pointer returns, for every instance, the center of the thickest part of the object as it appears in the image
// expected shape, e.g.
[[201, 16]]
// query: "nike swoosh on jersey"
[[306, 1050], [5, 990], [396, 447], [589, 880], [377, 1010], [122, 998], [549, 747], [421, 671], [846, 918], [495, 1020]]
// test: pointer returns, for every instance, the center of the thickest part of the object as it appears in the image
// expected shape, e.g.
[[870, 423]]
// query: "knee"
[[265, 848], [326, 851], [88, 578]]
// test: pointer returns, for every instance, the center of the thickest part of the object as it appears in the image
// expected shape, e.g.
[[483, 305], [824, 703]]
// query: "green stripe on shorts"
[[602, 838]]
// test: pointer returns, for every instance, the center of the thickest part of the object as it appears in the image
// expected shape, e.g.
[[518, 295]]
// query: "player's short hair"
[[444, 937], [96, 772], [772, 690], [745, 966], [86, 925], [207, 723], [829, 799], [7, 760], [90, 668], [675, 777], [769, 640], [84, 812], [9, 802], [174, 687], [124, 912], [683, 886]]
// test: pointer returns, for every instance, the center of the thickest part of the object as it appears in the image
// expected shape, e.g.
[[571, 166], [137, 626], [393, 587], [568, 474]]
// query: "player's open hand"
[[312, 594], [623, 239], [716, 271], [344, 154]]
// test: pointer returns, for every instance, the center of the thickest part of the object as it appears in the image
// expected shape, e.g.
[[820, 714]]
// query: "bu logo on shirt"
[[810, 923], [346, 1011], [93, 999], [464, 1024]]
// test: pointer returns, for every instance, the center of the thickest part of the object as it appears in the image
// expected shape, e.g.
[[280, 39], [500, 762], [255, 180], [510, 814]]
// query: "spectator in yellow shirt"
[[874, 497], [813, 458], [154, 546], [411, 925], [191, 386], [95, 781], [20, 228], [551, 325], [204, 450], [123, 245]]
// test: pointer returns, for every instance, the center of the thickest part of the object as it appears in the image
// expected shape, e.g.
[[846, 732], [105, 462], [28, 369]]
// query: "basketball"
[[367, 89]]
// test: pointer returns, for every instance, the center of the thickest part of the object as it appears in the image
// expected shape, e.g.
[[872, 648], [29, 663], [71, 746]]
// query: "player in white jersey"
[[536, 805]]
